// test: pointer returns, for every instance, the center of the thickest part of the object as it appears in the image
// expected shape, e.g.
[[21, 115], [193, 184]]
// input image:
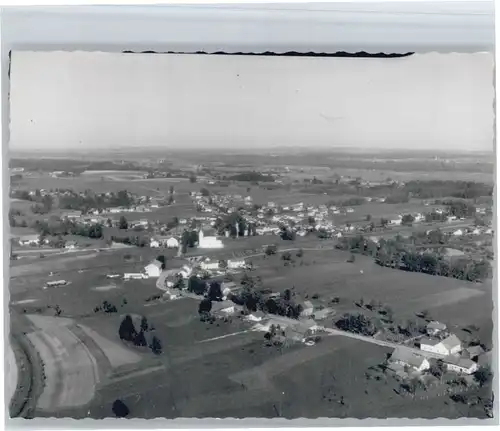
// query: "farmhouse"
[[473, 352], [207, 238], [434, 328], [226, 308], [484, 360], [308, 309], [134, 276], [210, 265], [460, 365], [70, 245], [449, 346], [56, 283], [153, 269], [29, 239], [406, 357], [236, 263], [71, 214], [256, 316], [172, 242]]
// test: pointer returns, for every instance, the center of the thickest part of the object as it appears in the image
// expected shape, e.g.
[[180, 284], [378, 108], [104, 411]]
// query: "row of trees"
[[89, 200], [128, 332], [400, 255], [68, 227]]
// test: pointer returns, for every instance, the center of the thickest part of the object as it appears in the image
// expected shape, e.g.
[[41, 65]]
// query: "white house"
[[29, 240], [210, 265], [434, 328], [153, 269], [396, 222], [234, 264], [406, 357], [207, 238], [134, 276], [256, 316], [154, 243], [458, 232], [449, 346], [451, 218], [172, 242], [308, 309], [460, 365]]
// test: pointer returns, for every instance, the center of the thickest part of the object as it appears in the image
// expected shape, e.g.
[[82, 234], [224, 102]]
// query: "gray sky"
[[76, 100]]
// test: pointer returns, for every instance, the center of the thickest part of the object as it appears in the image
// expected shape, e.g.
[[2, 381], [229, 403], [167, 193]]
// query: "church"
[[207, 238]]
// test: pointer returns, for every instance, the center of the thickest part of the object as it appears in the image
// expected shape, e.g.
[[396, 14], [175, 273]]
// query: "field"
[[328, 274]]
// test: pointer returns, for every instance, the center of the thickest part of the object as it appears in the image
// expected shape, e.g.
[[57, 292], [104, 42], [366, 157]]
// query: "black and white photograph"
[[204, 235]]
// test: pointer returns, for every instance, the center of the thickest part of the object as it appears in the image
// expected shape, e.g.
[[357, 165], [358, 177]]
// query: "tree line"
[[395, 253]]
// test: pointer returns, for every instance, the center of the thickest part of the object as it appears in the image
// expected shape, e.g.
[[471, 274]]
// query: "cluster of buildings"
[[443, 345]]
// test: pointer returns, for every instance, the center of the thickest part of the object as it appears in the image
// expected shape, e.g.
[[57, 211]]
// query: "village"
[[262, 271]]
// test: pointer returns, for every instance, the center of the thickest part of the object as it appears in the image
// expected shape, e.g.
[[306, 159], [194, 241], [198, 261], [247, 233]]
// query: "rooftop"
[[407, 356]]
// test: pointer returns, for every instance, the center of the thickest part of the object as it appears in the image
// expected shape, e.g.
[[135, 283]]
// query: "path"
[[225, 336]]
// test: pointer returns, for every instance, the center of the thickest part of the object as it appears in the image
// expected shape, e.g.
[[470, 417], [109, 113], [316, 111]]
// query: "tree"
[[140, 339], [122, 223], [156, 347], [483, 376], [205, 192], [127, 330], [300, 253], [192, 178], [171, 190], [144, 324], [270, 249], [215, 291], [287, 295], [437, 369], [407, 219], [109, 222], [286, 256], [368, 217], [119, 409]]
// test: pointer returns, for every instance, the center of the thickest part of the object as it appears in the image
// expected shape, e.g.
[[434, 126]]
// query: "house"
[[172, 242], [396, 222], [460, 365], [308, 309], [300, 330], [33, 239], [434, 328], [458, 232], [154, 243], [473, 352], [153, 269], [56, 283], [485, 359], [225, 308], [449, 346], [236, 263], [70, 245], [256, 316], [71, 214], [207, 238], [134, 276], [407, 357], [322, 314], [210, 265]]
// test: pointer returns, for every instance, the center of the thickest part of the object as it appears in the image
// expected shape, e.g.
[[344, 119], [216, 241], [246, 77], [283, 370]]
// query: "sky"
[[64, 100]]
